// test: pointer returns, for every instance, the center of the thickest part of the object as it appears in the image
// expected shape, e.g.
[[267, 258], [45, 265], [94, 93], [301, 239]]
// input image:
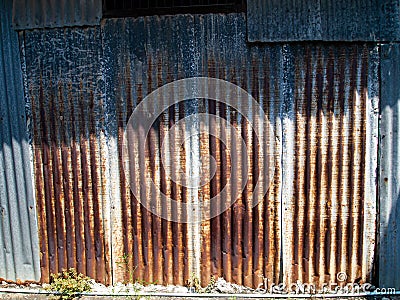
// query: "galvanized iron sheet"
[[329, 121], [64, 84], [19, 251], [29, 14], [389, 188], [326, 20]]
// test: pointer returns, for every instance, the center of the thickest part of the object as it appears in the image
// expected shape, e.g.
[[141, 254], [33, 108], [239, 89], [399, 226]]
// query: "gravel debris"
[[224, 287], [220, 286]]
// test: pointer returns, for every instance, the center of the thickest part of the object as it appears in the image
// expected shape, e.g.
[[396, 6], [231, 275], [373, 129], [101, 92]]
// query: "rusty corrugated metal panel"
[[329, 163], [19, 245], [327, 20], [29, 14], [138, 62], [144, 58], [64, 85], [389, 188], [321, 100], [324, 116], [242, 244]]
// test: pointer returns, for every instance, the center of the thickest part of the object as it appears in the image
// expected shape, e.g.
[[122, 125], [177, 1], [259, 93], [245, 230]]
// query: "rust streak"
[[95, 184], [47, 178], [65, 158], [40, 197], [85, 184]]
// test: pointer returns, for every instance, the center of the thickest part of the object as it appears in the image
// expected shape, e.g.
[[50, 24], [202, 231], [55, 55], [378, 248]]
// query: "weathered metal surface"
[[138, 61], [65, 89], [325, 100], [141, 58], [327, 20], [134, 8], [282, 21], [389, 188], [321, 100], [29, 14], [330, 121], [19, 251]]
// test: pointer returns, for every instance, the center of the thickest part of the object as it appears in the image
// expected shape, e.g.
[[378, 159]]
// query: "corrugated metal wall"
[[19, 252], [322, 100], [389, 189], [318, 217]]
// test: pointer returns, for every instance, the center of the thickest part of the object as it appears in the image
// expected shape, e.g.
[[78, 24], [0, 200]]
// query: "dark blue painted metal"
[[28, 14], [327, 20]]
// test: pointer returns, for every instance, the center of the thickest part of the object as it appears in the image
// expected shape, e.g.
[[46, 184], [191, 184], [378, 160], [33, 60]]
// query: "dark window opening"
[[135, 8]]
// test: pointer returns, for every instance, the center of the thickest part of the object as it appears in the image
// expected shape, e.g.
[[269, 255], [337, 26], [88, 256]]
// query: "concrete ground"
[[42, 296]]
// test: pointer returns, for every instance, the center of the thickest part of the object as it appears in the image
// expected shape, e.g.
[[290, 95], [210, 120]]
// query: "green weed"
[[69, 284]]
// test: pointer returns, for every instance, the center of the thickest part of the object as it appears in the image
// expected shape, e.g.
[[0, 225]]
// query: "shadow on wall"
[[19, 253], [389, 255]]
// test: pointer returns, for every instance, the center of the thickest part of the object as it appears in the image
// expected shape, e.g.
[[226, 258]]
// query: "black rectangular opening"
[[135, 8]]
